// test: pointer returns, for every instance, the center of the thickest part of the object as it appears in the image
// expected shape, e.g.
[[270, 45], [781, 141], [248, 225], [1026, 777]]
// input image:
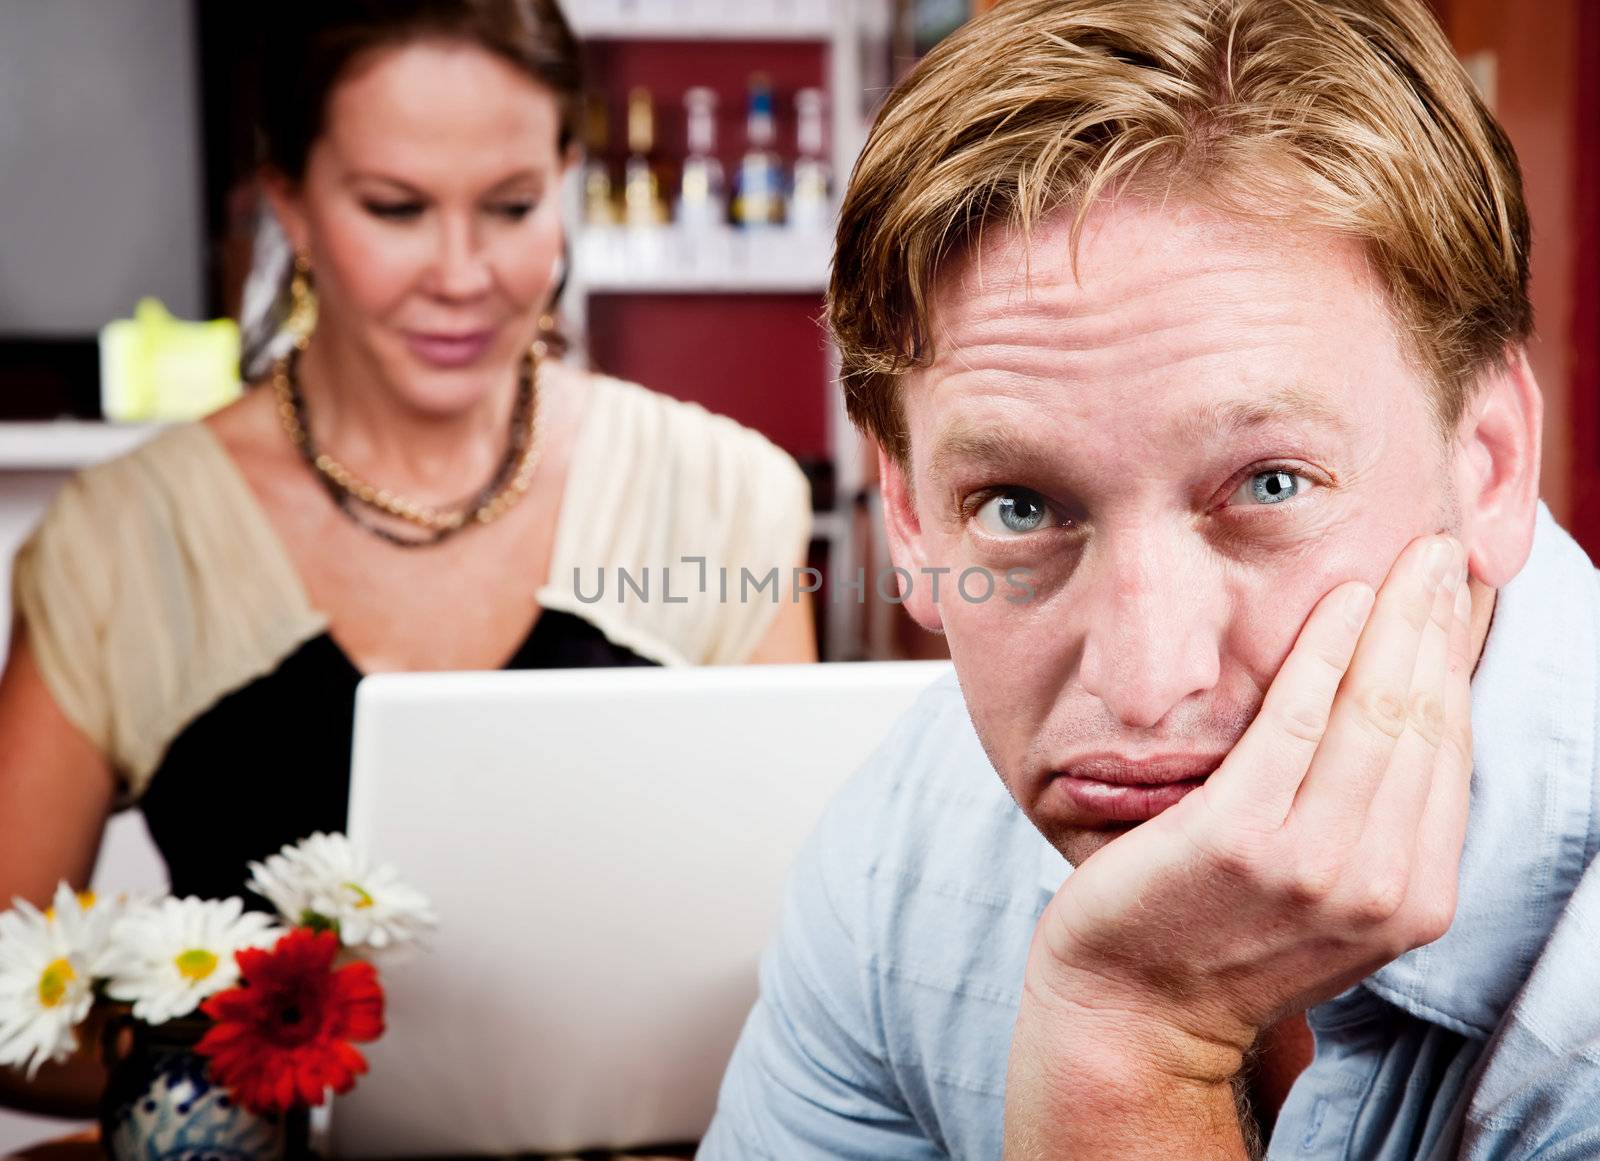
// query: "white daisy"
[[45, 986], [86, 920], [167, 956], [326, 877]]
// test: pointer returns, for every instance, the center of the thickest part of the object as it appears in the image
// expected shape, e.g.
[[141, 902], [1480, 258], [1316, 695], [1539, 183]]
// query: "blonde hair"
[[1348, 115]]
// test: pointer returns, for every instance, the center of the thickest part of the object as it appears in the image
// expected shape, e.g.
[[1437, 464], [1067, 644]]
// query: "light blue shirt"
[[888, 998]]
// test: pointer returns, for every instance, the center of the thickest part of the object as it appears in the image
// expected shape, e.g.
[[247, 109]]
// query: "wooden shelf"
[[672, 261]]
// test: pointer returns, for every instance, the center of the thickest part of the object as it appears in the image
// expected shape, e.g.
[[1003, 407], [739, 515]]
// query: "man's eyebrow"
[[1281, 405], [963, 442]]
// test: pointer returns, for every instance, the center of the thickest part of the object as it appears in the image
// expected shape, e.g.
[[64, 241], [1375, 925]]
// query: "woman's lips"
[[449, 350]]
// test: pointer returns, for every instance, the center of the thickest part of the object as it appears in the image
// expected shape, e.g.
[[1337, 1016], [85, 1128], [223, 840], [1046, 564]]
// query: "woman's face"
[[430, 212]]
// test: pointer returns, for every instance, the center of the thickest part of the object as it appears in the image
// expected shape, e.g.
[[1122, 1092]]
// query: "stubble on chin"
[[1077, 845]]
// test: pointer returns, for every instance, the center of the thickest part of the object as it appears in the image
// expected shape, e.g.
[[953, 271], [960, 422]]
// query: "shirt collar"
[[1532, 828]]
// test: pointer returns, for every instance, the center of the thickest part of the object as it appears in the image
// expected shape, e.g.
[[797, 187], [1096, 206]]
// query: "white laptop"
[[606, 850]]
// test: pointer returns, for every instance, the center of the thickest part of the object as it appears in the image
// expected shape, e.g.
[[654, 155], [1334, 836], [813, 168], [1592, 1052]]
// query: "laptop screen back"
[[606, 851]]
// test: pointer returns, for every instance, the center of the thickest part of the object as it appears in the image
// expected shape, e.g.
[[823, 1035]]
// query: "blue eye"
[[1014, 512], [1273, 486]]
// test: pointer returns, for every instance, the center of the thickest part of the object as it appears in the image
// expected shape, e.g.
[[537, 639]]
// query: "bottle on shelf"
[[702, 195], [758, 196], [810, 199], [599, 194], [643, 204]]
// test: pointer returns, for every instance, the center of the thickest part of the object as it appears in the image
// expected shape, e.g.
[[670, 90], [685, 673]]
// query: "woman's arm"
[[55, 787], [55, 792]]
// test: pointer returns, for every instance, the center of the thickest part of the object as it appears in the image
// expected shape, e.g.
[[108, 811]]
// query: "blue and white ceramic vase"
[[161, 1104]]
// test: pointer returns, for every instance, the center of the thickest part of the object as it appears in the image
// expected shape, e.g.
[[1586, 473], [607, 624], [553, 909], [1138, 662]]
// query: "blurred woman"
[[417, 485]]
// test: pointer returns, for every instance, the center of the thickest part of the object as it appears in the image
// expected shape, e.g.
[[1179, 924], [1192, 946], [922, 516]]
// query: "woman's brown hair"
[[314, 42]]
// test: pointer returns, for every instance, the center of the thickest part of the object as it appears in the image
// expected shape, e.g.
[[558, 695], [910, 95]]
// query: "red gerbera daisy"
[[283, 1037]]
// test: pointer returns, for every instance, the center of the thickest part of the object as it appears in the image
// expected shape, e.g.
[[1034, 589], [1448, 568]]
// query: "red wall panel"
[[761, 359]]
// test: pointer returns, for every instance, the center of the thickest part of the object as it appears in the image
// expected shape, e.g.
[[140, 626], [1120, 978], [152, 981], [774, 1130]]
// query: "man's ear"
[[906, 546], [1497, 470], [288, 207]]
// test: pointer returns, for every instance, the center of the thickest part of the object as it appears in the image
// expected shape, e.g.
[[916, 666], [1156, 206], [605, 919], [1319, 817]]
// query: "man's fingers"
[[1373, 708], [1390, 838], [1264, 769], [1432, 897]]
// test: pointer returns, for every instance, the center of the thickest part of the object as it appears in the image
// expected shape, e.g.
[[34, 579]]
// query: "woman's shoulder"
[[152, 584], [141, 487], [657, 484], [179, 497], [669, 433], [173, 448]]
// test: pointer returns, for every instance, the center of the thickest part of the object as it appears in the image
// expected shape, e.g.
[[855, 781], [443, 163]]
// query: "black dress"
[[269, 763]]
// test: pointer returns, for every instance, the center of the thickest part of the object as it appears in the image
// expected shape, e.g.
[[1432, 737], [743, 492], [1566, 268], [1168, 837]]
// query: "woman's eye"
[[1013, 512], [514, 211], [1273, 486], [395, 211]]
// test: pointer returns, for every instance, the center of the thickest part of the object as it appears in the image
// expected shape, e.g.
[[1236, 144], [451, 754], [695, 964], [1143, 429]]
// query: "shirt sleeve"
[[809, 1078]]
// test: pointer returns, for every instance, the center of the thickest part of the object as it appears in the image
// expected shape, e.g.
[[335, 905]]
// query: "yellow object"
[[154, 367], [196, 964], [53, 982]]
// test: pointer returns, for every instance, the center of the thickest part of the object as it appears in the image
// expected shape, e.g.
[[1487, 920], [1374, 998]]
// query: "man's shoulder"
[[927, 800], [925, 856], [1556, 1005], [1541, 1080], [928, 876], [931, 747]]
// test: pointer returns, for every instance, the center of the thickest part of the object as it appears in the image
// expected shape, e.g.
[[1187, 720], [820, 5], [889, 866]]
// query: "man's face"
[[1185, 446]]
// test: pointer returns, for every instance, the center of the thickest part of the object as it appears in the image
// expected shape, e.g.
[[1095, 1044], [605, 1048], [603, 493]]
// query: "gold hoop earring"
[[302, 320]]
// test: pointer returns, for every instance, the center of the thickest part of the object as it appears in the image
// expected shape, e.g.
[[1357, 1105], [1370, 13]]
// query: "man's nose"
[[460, 267], [1152, 627]]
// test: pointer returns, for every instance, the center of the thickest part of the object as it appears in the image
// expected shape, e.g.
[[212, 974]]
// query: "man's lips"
[[1152, 770], [1116, 788]]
